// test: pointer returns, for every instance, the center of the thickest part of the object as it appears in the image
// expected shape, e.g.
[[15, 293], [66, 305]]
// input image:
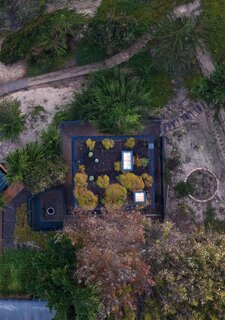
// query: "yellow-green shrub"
[[138, 161], [80, 180], [87, 200], [115, 196], [117, 166], [82, 168], [130, 143], [90, 144], [108, 143], [148, 180], [102, 181], [131, 182]]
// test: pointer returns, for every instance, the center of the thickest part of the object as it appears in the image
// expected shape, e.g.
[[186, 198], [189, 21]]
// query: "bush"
[[115, 196], [141, 162], [82, 168], [131, 182], [36, 167], [12, 122], [184, 33], [44, 40], [118, 166], [90, 144], [148, 180], [113, 101], [130, 143], [87, 200], [212, 89], [50, 139], [102, 181], [80, 180], [108, 143], [108, 37], [183, 189]]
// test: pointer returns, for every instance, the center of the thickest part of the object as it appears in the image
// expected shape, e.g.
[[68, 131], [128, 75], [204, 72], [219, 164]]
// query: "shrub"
[[108, 143], [131, 182], [113, 101], [90, 144], [102, 181], [184, 33], [82, 168], [50, 140], [87, 200], [183, 189], [117, 166], [138, 161], [35, 166], [212, 89], [44, 40], [148, 180], [130, 143], [115, 196], [12, 122], [109, 36], [80, 180]]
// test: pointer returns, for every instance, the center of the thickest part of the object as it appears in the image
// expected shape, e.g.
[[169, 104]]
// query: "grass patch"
[[146, 12], [14, 271], [215, 11], [155, 79], [212, 223], [24, 234]]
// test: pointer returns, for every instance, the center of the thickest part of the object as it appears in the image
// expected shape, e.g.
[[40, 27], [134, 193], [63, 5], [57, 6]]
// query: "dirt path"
[[87, 69]]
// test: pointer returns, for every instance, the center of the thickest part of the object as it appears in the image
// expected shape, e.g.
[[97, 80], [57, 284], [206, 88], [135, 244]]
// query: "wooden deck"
[[12, 191]]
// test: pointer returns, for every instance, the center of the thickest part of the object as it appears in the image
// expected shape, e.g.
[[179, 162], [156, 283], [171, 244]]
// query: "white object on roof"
[[127, 160], [140, 197]]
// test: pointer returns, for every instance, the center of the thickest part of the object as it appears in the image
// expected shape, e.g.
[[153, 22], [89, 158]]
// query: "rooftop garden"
[[101, 178]]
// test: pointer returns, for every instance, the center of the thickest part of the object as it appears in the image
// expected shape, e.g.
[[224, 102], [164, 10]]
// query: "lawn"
[[14, 271], [99, 179]]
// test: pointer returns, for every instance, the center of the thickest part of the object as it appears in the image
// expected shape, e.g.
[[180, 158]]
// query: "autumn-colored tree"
[[189, 274], [112, 257]]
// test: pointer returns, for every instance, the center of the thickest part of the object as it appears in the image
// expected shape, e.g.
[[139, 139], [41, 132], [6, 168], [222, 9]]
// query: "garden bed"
[[100, 168]]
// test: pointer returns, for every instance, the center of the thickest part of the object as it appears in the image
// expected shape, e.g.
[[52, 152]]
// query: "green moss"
[[24, 234]]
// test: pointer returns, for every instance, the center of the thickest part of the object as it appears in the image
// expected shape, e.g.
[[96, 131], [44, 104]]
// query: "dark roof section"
[[47, 209]]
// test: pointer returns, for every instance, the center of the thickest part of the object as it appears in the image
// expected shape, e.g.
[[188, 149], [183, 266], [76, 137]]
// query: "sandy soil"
[[51, 98], [88, 7], [194, 144]]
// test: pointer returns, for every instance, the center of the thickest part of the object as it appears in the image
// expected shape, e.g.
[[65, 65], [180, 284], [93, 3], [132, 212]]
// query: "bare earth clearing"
[[51, 98]]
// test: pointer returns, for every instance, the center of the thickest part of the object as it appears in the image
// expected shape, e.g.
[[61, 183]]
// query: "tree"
[[12, 121], [112, 257], [53, 280], [114, 102], [212, 89], [189, 274]]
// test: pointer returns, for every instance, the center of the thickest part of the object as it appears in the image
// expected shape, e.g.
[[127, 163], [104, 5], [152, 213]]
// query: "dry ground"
[[195, 145], [52, 98]]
